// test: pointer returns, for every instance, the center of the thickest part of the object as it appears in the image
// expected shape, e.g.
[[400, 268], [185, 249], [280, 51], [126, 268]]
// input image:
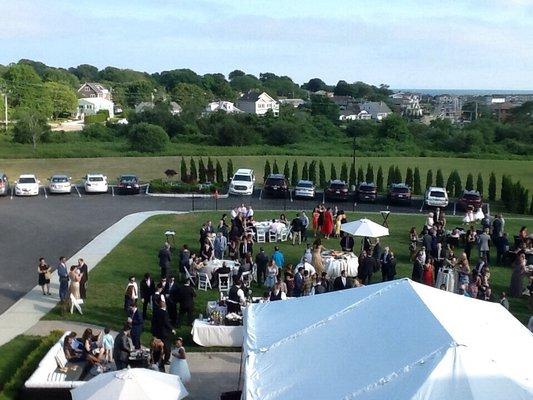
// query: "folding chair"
[[283, 235], [272, 237], [189, 276], [203, 282], [246, 278], [261, 237], [224, 283], [75, 303], [254, 272]]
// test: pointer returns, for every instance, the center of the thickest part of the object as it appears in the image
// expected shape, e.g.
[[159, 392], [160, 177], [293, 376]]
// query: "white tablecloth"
[[213, 306], [307, 267], [213, 265], [207, 335], [334, 266], [447, 277]]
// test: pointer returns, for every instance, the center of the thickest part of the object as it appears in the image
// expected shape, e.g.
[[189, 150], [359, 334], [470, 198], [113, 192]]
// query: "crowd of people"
[[72, 280]]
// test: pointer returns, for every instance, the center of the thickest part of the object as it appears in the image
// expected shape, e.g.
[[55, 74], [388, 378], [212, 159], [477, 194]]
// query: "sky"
[[455, 44]]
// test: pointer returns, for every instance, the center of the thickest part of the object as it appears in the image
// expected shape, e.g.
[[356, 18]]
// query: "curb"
[[187, 195]]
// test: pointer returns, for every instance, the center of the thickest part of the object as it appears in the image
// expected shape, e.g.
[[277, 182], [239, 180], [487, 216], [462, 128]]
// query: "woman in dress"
[[179, 365], [338, 223], [474, 284], [75, 278], [316, 260], [427, 274], [272, 273], [157, 351], [44, 271], [316, 215], [519, 270], [413, 237], [327, 228], [464, 272], [471, 239]]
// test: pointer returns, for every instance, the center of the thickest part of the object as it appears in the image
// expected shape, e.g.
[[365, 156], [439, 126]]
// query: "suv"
[[367, 192], [242, 182], [470, 198], [399, 193], [276, 185], [4, 184], [336, 190], [436, 197]]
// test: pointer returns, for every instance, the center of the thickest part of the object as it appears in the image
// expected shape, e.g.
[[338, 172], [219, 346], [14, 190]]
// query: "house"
[[354, 112], [222, 105], [407, 104], [293, 102], [449, 107], [91, 105], [258, 103], [92, 89], [175, 108], [501, 111], [377, 109]]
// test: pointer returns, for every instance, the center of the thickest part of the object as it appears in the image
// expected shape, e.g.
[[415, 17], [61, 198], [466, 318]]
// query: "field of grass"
[[136, 254], [152, 167], [13, 353]]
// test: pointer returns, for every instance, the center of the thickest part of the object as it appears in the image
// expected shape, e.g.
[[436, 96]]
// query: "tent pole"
[[240, 371]]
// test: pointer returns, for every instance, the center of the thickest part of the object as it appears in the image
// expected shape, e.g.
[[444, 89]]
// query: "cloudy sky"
[[474, 44]]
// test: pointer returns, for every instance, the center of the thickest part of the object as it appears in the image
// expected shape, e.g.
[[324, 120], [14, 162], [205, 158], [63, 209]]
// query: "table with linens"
[[208, 335], [213, 265], [335, 262]]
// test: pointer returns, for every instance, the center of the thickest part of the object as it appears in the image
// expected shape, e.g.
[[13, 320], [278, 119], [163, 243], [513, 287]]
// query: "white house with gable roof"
[[258, 103]]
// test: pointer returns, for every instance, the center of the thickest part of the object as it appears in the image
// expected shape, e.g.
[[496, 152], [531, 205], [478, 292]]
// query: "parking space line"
[[44, 190], [147, 188], [261, 194], [454, 207], [323, 197], [290, 195], [422, 206], [77, 190], [12, 191], [112, 191]]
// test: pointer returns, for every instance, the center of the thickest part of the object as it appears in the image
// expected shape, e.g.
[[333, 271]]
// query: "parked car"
[[276, 185], [436, 197], [242, 182], [337, 190], [95, 183], [305, 189], [367, 192], [399, 193], [59, 184], [128, 184], [470, 198], [27, 185], [4, 184]]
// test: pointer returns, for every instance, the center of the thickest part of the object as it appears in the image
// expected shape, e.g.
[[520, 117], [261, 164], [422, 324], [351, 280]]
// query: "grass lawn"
[[136, 254], [152, 167], [12, 355]]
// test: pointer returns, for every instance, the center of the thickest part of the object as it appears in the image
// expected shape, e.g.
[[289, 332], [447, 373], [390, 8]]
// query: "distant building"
[[258, 103], [293, 102], [377, 109], [353, 113], [92, 89], [222, 105], [407, 104], [501, 110], [175, 108], [449, 107], [91, 105]]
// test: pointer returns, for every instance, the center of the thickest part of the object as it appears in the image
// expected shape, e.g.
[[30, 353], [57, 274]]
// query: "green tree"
[[312, 171], [322, 174], [26, 90], [183, 170], [469, 182], [379, 179], [219, 174], [390, 176], [360, 175], [267, 170], [63, 97], [395, 128], [457, 186], [439, 180], [149, 138], [450, 183], [429, 178], [193, 171], [333, 172], [479, 183], [321, 105], [210, 170], [294, 175], [287, 171], [229, 169], [344, 172], [531, 206], [492, 187], [202, 172], [353, 175], [30, 127], [369, 177], [417, 187], [191, 98], [282, 133], [275, 168], [397, 175], [137, 92], [409, 177], [305, 171]]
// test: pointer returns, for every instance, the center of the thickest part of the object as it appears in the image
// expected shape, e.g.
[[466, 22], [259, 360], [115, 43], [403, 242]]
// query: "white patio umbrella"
[[365, 227], [131, 384]]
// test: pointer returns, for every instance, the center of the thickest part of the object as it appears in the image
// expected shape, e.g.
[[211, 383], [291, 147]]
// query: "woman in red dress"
[[316, 214], [427, 275], [327, 228]]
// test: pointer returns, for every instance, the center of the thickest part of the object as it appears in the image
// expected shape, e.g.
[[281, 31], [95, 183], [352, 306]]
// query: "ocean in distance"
[[464, 92]]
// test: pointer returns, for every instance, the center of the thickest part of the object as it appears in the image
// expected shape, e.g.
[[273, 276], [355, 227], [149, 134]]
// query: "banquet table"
[[334, 265], [264, 226], [213, 306], [207, 335], [213, 265]]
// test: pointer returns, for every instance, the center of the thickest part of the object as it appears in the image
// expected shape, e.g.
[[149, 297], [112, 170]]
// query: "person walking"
[[261, 260], [165, 257], [44, 272], [185, 297], [179, 365], [62, 272]]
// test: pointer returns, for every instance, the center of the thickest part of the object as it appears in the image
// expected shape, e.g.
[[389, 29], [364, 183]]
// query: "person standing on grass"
[[44, 271], [278, 258], [137, 325], [62, 272], [296, 229], [147, 288], [165, 257], [122, 348], [84, 270], [185, 297], [162, 329], [484, 244], [261, 260]]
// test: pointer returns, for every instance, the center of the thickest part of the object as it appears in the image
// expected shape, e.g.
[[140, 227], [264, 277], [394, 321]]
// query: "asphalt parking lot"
[[54, 225]]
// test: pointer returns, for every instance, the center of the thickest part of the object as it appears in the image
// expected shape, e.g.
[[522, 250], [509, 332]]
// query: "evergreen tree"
[[312, 171], [360, 175], [202, 172], [397, 175], [352, 180], [193, 172], [409, 177], [390, 176], [492, 187], [531, 206], [219, 174], [267, 171], [183, 170], [469, 182], [229, 169], [379, 180], [275, 168], [305, 172], [429, 178], [457, 185], [333, 172], [417, 187], [479, 183], [322, 174], [369, 177], [287, 171], [506, 190], [439, 179], [210, 170], [344, 172], [450, 182], [294, 175]]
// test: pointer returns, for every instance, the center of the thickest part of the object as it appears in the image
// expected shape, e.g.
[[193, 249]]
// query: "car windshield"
[[128, 179], [367, 188], [27, 180], [242, 178], [305, 184], [469, 196], [338, 186], [437, 194], [273, 182], [58, 179], [96, 179], [400, 190]]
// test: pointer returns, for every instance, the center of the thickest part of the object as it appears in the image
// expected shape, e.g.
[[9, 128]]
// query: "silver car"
[[60, 184], [304, 189]]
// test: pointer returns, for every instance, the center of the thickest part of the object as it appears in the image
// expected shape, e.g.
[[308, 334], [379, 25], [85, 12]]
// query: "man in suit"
[[62, 272], [484, 244], [246, 246], [427, 241], [163, 329], [347, 242], [185, 257], [366, 268], [326, 282], [147, 289], [122, 348], [171, 299], [185, 298], [418, 268], [384, 261], [164, 259], [261, 261], [342, 282], [296, 229], [137, 325], [298, 282], [219, 246], [82, 267]]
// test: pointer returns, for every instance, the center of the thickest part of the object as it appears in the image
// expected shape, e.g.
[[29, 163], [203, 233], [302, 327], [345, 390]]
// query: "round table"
[[333, 265], [213, 265]]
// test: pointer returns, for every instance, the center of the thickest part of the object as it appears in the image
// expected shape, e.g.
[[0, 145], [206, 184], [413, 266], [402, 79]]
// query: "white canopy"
[[394, 340], [365, 227], [131, 384]]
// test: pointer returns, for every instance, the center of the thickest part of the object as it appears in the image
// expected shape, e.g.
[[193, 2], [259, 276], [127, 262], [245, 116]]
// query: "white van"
[[436, 197], [242, 182]]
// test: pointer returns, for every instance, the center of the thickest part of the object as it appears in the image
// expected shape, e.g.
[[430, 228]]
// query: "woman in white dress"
[[179, 365]]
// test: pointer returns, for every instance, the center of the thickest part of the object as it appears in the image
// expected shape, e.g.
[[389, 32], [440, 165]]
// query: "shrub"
[[379, 180], [352, 180], [160, 186], [202, 173], [390, 176], [59, 137], [429, 179], [219, 174], [344, 172], [281, 133], [322, 174], [417, 189], [100, 116], [267, 170], [229, 169], [439, 180], [492, 187], [98, 132], [409, 177], [333, 172], [369, 177], [147, 138], [210, 170], [469, 182], [360, 175], [305, 171], [312, 171], [275, 168], [294, 175], [183, 169], [479, 183], [287, 171], [193, 172]]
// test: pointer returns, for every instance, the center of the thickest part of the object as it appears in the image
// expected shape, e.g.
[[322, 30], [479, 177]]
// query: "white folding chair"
[[261, 237], [224, 282], [189, 276], [203, 282], [254, 272], [74, 302], [246, 278], [283, 235], [272, 236]]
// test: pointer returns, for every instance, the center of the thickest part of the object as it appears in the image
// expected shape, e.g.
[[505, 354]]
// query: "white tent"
[[394, 340], [365, 227]]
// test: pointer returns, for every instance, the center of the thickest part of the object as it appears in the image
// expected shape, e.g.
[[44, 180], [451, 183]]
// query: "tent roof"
[[400, 340]]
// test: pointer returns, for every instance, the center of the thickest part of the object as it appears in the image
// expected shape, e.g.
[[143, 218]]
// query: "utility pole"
[[5, 108]]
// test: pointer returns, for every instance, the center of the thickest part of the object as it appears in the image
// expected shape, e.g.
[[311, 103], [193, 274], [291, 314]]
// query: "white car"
[[60, 184], [304, 189], [27, 185], [242, 182], [95, 183], [436, 197]]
